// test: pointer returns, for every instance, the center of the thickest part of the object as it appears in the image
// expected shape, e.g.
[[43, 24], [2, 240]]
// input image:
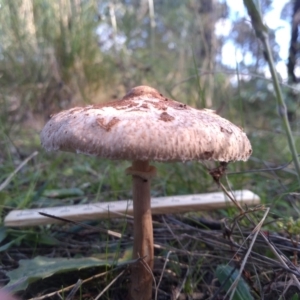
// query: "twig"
[[256, 230], [109, 285], [65, 289], [74, 289], [146, 266], [268, 169], [161, 275], [172, 233], [182, 284], [107, 231], [233, 72], [279, 257]]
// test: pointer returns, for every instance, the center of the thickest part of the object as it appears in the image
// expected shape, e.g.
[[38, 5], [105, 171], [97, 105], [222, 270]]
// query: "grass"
[[191, 248], [194, 252]]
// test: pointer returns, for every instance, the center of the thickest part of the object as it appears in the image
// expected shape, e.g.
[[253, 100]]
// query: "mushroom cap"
[[145, 125]]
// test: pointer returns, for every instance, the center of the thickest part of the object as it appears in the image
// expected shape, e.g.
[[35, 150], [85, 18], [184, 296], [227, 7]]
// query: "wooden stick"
[[117, 209]]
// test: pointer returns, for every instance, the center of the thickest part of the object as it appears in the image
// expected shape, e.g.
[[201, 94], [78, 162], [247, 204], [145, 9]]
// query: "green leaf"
[[14, 241], [63, 193], [31, 270], [295, 297], [3, 197], [46, 239], [226, 276], [3, 233]]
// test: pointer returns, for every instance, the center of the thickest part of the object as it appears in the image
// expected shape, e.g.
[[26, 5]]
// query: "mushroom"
[[145, 126]]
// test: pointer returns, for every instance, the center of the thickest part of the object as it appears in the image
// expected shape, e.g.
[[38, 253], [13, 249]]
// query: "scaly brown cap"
[[145, 125]]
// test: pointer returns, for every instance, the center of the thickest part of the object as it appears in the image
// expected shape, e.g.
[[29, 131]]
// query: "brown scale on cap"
[[166, 117], [109, 125], [144, 91], [129, 100]]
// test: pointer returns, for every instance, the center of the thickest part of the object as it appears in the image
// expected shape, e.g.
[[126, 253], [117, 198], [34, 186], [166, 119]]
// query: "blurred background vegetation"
[[58, 54], [62, 53]]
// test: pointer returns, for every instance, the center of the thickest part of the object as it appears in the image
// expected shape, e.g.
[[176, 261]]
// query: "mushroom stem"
[[141, 277]]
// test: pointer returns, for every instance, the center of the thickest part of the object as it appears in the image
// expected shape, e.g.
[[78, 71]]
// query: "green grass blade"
[[226, 275], [262, 34]]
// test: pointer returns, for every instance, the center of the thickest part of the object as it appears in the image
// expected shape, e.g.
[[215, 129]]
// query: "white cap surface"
[[145, 125]]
